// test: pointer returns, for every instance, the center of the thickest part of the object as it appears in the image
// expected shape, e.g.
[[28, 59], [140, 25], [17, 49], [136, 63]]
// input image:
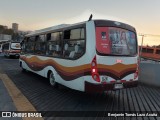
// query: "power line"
[[146, 35]]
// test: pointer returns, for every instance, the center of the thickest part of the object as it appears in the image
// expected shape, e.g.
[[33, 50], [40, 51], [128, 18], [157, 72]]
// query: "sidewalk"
[[12, 99], [6, 102]]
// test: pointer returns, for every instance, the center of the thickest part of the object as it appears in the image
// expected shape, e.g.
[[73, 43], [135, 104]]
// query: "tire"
[[52, 80], [24, 70], [16, 57]]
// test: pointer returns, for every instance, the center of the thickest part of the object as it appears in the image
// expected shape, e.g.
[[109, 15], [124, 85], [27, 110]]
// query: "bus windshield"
[[115, 41], [15, 46]]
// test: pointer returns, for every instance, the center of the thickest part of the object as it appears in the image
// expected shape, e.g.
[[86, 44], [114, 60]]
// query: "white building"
[[15, 27]]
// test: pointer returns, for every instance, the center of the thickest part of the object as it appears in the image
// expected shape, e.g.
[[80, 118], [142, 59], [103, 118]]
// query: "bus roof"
[[110, 23], [56, 27]]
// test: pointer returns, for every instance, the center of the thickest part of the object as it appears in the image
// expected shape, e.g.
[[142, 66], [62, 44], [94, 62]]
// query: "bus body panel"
[[77, 83], [122, 68]]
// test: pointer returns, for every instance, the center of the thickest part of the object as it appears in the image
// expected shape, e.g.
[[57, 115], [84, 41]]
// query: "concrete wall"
[[5, 37], [150, 74]]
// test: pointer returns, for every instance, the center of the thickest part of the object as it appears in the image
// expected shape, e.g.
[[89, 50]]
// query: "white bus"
[[0, 48], [10, 49], [92, 56]]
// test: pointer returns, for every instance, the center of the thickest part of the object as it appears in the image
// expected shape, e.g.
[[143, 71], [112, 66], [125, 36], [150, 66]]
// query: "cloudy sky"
[[144, 15]]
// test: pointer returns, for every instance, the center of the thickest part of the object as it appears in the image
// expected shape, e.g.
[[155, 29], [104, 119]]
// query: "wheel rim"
[[52, 79]]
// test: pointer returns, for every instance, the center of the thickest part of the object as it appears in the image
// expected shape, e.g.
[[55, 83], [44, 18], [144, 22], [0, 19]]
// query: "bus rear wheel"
[[52, 80]]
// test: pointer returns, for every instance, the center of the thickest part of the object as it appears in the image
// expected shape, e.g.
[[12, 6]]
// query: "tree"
[[1, 29], [158, 46], [8, 31]]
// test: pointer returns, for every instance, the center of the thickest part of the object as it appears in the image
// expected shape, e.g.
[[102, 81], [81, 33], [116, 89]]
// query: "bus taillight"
[[11, 51], [94, 70], [136, 74], [137, 71]]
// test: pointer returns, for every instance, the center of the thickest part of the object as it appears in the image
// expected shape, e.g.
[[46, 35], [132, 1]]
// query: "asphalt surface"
[[45, 98]]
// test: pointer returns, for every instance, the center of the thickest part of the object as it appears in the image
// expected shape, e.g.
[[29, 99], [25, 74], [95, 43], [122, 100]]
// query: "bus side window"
[[67, 34], [40, 46], [5, 47], [65, 50], [54, 44], [74, 43], [23, 46], [77, 49], [29, 48]]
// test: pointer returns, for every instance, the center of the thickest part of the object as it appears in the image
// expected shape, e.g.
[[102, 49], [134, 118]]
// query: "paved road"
[[45, 98]]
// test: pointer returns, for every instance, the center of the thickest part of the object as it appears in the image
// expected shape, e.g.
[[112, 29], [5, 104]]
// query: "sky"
[[144, 15]]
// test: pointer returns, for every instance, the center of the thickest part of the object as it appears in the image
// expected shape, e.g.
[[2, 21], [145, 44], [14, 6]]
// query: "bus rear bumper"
[[14, 55], [91, 87]]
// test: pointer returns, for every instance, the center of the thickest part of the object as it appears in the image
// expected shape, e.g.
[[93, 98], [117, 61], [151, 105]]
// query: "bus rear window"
[[115, 41]]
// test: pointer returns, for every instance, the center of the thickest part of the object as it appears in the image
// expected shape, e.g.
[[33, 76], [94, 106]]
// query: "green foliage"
[[1, 29], [6, 31], [158, 46]]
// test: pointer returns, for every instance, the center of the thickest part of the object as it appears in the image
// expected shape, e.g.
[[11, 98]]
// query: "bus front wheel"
[[52, 80]]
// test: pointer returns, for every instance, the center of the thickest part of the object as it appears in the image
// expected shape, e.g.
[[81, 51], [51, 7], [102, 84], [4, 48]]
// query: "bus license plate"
[[118, 86]]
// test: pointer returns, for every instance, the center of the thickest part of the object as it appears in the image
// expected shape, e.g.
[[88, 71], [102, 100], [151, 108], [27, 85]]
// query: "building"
[[15, 27], [5, 37]]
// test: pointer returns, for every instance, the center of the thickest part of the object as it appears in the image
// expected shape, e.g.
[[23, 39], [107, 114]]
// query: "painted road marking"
[[20, 101]]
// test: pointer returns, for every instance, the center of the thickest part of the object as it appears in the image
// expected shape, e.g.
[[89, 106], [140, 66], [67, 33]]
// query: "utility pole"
[[143, 35]]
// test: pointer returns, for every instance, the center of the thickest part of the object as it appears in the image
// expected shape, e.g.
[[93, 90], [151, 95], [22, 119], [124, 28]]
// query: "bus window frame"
[[4, 46], [62, 41], [71, 28], [50, 41], [36, 41], [30, 42]]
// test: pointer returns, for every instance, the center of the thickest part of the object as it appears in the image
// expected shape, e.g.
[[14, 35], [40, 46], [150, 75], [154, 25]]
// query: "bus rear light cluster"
[[136, 74], [11, 51], [113, 81], [123, 81], [137, 71], [94, 70]]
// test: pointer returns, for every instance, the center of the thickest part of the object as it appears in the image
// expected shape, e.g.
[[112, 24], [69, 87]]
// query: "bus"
[[0, 48], [91, 56], [150, 53], [10, 49]]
